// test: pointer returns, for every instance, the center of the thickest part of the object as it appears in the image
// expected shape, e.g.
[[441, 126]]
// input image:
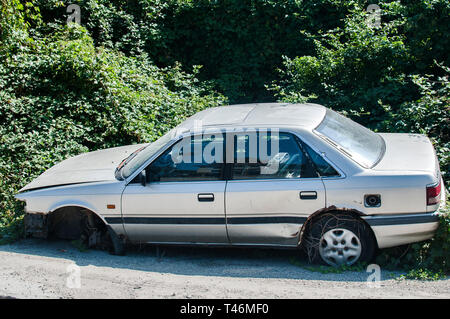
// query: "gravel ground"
[[45, 269]]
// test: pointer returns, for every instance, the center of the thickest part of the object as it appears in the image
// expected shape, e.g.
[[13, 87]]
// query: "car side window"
[[288, 161], [178, 163], [323, 168]]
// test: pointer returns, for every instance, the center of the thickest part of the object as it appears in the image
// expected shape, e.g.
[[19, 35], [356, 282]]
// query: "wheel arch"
[[333, 209], [77, 204]]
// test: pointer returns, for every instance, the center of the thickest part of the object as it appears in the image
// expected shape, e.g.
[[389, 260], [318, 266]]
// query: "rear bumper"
[[395, 230]]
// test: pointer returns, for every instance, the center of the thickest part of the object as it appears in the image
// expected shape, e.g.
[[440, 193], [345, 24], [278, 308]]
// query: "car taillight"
[[433, 194]]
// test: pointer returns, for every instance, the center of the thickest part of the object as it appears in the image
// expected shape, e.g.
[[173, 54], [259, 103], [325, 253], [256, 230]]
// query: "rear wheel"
[[338, 239]]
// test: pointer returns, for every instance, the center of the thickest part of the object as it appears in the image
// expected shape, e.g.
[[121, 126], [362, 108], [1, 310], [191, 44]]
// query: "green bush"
[[429, 114], [60, 96], [240, 43]]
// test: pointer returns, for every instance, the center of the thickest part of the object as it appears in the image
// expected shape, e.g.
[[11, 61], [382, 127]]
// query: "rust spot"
[[323, 210]]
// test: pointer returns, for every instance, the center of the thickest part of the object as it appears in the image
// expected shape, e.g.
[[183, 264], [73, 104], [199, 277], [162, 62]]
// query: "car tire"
[[339, 238], [118, 245]]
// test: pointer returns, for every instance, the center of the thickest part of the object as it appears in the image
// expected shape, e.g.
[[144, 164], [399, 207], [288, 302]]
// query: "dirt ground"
[[56, 269]]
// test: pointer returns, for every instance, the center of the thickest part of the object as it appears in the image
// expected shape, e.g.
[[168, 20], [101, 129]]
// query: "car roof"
[[306, 115]]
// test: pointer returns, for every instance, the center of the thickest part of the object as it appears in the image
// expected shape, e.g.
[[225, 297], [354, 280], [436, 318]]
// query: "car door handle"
[[205, 197], [308, 195]]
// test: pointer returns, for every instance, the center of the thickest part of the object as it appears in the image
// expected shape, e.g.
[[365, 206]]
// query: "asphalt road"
[[56, 269]]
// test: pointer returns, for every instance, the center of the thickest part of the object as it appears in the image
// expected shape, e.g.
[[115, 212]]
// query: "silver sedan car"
[[275, 175]]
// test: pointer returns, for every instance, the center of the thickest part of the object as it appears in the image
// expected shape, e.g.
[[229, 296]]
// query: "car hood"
[[87, 167], [408, 152]]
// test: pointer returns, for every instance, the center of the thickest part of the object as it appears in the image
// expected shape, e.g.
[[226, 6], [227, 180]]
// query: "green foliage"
[[429, 114], [60, 95], [240, 43], [11, 228], [423, 274]]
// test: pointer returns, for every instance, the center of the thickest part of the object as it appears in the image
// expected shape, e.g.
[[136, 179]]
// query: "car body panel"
[[394, 230], [408, 152], [270, 211], [87, 167], [307, 115], [171, 212], [400, 193]]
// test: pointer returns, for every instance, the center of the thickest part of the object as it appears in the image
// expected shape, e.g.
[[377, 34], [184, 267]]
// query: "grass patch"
[[423, 274]]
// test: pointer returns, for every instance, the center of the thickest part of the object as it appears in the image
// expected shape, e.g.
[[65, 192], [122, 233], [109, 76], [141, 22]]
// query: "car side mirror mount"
[[143, 177]]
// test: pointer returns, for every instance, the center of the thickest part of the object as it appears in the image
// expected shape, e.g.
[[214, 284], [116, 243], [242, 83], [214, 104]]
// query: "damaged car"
[[261, 175]]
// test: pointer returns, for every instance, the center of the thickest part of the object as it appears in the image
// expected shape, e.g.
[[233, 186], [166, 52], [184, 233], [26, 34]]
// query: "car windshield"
[[136, 160], [360, 143]]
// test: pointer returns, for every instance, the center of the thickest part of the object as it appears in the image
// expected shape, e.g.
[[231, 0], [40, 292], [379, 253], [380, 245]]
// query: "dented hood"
[[87, 167]]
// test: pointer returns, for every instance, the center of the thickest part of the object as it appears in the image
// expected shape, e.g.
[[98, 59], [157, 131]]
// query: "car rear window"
[[361, 144]]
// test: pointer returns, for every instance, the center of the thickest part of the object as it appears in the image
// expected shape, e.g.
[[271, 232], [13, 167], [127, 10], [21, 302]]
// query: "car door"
[[268, 206], [182, 200]]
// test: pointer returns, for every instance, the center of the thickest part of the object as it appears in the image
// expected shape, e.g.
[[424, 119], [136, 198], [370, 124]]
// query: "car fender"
[[77, 203]]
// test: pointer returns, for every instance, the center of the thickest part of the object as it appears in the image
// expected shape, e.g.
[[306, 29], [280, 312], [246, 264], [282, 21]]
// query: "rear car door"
[[265, 203], [182, 201]]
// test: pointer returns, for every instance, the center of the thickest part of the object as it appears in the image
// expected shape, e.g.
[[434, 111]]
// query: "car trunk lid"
[[408, 152]]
